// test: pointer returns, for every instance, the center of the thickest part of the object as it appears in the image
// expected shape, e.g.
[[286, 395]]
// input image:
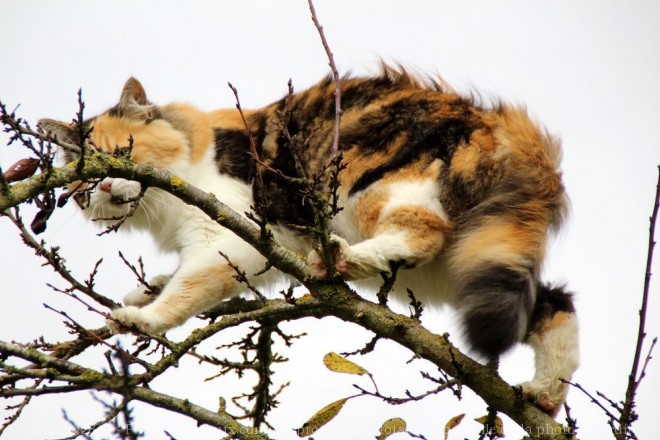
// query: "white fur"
[[556, 355], [368, 258], [141, 297], [421, 193], [195, 237], [362, 258]]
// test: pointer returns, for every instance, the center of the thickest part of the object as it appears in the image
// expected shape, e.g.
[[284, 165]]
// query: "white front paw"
[[139, 297], [142, 296], [549, 395], [125, 318]]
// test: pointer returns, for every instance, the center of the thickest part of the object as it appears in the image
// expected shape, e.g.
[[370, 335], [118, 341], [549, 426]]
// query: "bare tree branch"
[[628, 415]]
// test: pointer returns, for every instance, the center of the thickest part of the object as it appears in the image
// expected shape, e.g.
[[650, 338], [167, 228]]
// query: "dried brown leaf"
[[22, 169]]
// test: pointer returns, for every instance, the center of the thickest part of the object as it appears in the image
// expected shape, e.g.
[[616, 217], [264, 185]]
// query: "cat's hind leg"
[[553, 334]]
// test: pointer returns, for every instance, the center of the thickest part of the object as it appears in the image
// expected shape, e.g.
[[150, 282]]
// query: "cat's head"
[[133, 122]]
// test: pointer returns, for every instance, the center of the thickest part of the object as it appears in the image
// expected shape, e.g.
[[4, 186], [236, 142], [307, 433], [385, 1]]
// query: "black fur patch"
[[232, 154], [496, 304], [277, 201], [426, 134], [281, 201]]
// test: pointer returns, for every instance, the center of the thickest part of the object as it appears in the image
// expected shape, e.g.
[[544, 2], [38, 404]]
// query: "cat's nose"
[[106, 185]]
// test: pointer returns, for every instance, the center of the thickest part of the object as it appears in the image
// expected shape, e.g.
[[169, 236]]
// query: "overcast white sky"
[[589, 70]]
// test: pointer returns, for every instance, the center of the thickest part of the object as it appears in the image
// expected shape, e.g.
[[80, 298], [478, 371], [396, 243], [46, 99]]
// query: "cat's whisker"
[[155, 199]]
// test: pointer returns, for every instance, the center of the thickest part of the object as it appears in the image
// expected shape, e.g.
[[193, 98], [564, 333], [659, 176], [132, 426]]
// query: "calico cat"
[[461, 195]]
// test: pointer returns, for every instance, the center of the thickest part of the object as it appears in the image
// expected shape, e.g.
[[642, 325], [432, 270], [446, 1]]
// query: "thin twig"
[[57, 263], [335, 73], [141, 276], [134, 204], [241, 277], [19, 408], [594, 400], [649, 356], [627, 412], [409, 396], [16, 125], [253, 145]]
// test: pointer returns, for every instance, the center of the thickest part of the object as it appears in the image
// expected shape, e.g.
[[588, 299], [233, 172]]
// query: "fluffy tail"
[[500, 241], [496, 303]]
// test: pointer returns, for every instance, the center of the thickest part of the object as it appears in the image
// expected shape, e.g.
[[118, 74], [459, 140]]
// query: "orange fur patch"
[[425, 229], [558, 320], [468, 157], [368, 211], [504, 243], [155, 143], [217, 279]]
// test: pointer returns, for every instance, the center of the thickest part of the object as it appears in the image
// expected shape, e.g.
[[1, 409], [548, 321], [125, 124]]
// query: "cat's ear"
[[63, 132], [133, 102], [133, 94]]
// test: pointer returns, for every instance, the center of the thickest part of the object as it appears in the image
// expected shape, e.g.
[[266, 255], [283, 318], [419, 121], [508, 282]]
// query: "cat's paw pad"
[[315, 265], [547, 396], [125, 318], [340, 250]]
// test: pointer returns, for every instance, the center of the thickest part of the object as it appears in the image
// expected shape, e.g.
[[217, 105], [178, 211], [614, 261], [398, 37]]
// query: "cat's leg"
[[142, 295], [203, 280], [403, 223], [553, 334]]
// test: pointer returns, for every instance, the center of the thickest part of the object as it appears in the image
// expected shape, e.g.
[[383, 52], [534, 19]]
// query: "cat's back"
[[401, 135]]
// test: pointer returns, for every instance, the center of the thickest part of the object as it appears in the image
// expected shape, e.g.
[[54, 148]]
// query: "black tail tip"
[[496, 305]]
